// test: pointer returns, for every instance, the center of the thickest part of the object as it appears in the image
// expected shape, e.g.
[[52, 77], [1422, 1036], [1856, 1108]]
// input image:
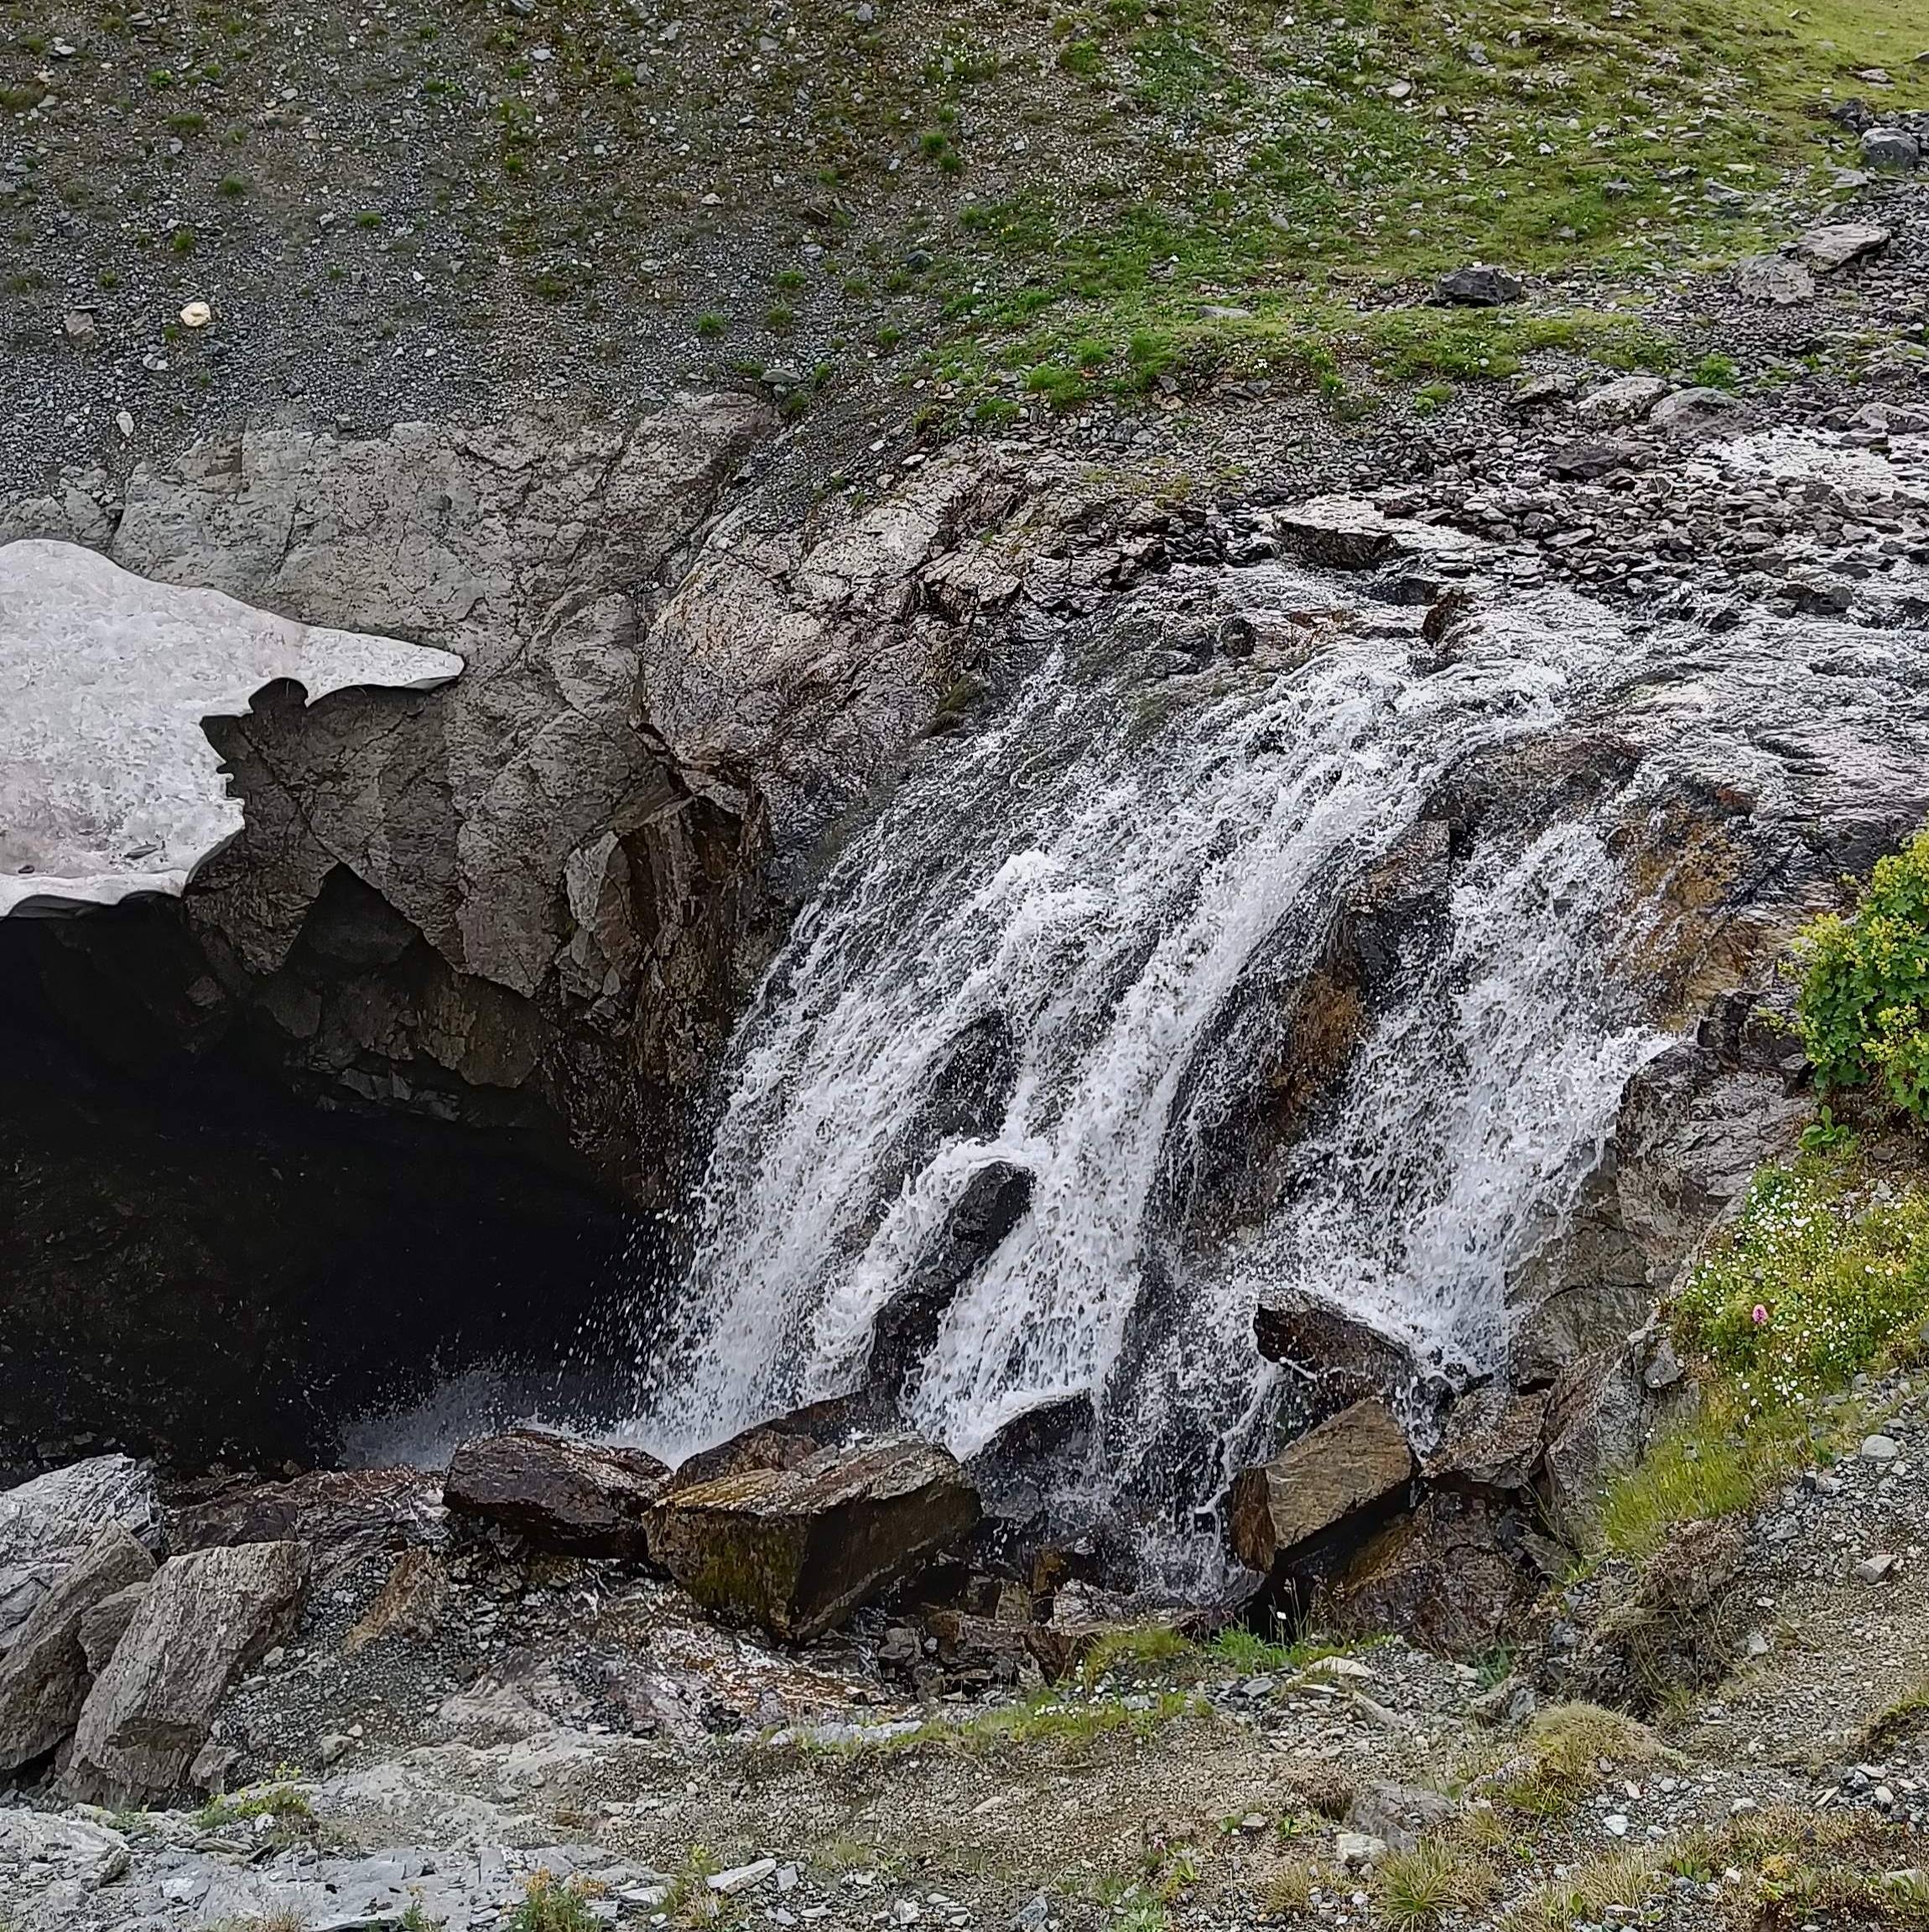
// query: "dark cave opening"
[[201, 1263]]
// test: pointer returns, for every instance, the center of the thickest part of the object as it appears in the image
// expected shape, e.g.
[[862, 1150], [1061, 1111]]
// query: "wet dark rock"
[[1336, 1471], [44, 1675], [965, 1102], [1339, 1358], [1493, 1439], [795, 1550], [345, 1515], [1451, 1576], [994, 1201], [578, 1498], [205, 1617]]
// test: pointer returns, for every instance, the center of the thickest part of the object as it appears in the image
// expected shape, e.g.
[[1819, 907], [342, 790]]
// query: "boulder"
[[1837, 244], [104, 1626], [795, 1550], [1589, 462], [1450, 1577], [44, 1677], [1890, 147], [1347, 1465], [1399, 1815], [838, 1422], [1479, 285], [1492, 1440], [1626, 399], [1691, 412], [576, 1498], [205, 1616], [1339, 1358], [344, 1515]]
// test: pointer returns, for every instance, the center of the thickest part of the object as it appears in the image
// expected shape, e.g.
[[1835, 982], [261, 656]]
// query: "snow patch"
[[108, 784]]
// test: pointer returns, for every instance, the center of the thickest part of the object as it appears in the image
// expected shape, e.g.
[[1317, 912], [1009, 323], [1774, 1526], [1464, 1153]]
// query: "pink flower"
[[1760, 1315]]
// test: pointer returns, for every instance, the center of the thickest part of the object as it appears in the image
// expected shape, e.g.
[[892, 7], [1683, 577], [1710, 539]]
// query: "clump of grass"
[[1420, 1886], [1715, 1464], [1141, 1646], [234, 186], [1620, 1882], [1570, 1750], [712, 326], [1288, 1892], [550, 1904]]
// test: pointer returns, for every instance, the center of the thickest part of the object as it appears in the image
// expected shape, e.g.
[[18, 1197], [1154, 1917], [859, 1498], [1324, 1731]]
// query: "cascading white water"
[[1095, 873]]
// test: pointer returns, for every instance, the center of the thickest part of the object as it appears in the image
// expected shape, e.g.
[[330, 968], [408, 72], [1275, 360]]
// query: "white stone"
[[742, 1878], [108, 785]]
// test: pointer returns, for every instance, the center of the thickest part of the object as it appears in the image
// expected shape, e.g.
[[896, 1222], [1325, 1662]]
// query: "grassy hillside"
[[1004, 197]]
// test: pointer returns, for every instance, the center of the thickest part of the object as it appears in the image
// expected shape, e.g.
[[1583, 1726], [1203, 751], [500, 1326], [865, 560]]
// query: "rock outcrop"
[[795, 1550], [556, 1492], [205, 1617]]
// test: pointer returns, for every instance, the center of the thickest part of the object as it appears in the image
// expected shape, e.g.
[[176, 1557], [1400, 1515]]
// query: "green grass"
[[1421, 1886], [1557, 152], [549, 1904], [1815, 1282], [1572, 1750]]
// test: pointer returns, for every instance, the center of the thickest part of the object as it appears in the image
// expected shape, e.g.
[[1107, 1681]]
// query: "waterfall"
[[1031, 955]]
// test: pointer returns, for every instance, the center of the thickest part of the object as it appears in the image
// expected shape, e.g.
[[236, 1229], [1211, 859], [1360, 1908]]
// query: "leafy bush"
[[1808, 1288], [1863, 1011]]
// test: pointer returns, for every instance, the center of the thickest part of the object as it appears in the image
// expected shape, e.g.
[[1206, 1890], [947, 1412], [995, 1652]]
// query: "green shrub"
[[1863, 1014]]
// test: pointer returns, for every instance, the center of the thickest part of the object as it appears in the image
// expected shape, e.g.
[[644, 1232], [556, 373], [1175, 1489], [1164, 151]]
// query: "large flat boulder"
[[205, 1616], [795, 1550], [44, 1677], [1350, 1463], [577, 1499]]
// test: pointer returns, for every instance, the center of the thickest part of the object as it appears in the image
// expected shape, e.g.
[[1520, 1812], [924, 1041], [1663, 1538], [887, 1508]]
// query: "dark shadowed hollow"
[[199, 1263]]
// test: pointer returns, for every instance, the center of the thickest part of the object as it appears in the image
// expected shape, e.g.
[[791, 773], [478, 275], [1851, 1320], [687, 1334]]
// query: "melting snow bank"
[[108, 785]]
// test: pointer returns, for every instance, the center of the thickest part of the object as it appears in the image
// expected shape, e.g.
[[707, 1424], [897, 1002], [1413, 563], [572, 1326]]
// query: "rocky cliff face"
[[525, 904]]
